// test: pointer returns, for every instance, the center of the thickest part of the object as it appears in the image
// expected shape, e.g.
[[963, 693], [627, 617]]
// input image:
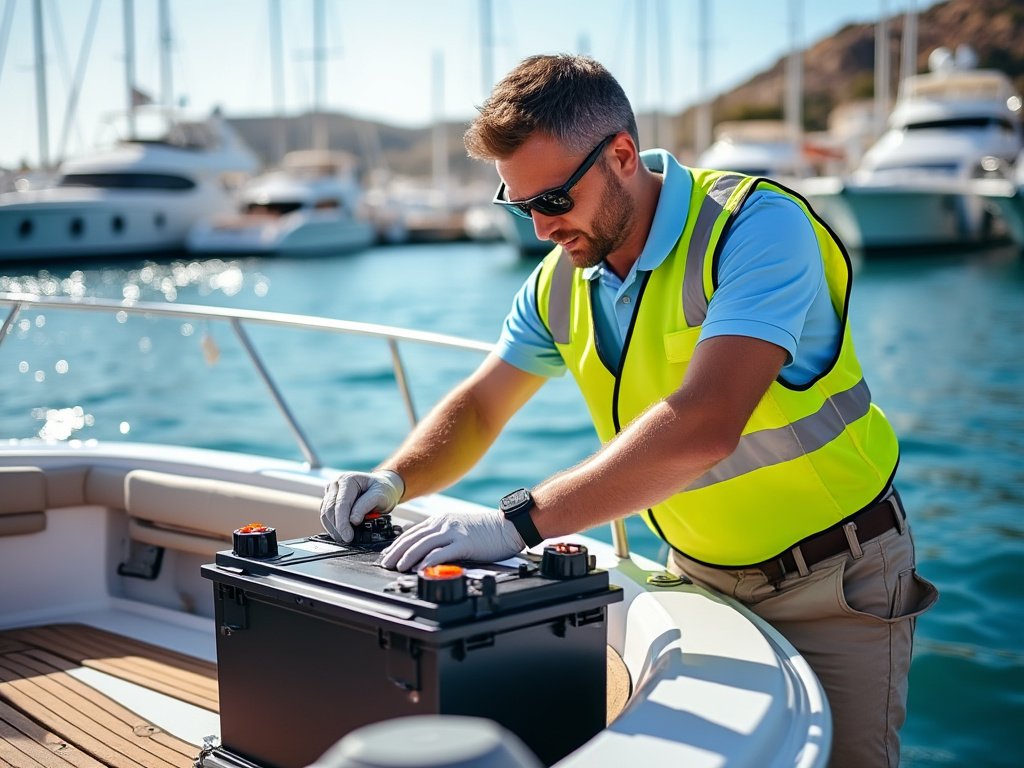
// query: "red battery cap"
[[254, 528], [442, 572]]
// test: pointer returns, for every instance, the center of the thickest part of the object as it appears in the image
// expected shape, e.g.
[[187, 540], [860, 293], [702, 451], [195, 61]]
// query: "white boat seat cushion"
[[198, 514], [22, 500]]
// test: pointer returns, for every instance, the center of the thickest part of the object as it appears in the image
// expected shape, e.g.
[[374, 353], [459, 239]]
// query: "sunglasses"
[[556, 201]]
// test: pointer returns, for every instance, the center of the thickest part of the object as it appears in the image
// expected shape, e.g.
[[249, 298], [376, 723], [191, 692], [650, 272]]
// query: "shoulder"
[[772, 229]]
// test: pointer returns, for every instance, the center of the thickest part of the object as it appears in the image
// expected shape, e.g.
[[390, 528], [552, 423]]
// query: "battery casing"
[[321, 640]]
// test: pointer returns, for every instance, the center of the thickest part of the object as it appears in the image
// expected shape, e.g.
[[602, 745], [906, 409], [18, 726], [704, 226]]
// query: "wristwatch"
[[516, 507]]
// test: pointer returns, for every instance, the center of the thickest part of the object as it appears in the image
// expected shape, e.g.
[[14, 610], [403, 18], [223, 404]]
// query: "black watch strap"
[[516, 507]]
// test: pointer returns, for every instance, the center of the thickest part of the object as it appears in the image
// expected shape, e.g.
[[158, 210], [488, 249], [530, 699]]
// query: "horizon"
[[395, 81]]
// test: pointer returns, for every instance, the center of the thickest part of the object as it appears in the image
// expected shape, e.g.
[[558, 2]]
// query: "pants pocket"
[[914, 595], [866, 595]]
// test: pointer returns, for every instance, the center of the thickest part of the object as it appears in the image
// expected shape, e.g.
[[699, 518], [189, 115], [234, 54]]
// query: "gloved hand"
[[353, 495], [483, 535]]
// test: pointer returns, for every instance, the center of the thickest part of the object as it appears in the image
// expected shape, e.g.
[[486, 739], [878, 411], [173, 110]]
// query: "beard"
[[610, 227]]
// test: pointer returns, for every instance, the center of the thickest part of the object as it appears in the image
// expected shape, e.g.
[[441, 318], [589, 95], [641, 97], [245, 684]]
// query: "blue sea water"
[[939, 339]]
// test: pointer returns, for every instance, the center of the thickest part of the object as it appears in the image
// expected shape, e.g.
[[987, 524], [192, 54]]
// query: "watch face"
[[514, 500]]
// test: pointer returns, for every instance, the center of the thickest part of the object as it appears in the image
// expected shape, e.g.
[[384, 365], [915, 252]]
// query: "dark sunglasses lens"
[[521, 209], [553, 203]]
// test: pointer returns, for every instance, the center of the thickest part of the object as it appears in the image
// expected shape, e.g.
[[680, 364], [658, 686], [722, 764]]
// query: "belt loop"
[[774, 572], [798, 558], [850, 529], [896, 503]]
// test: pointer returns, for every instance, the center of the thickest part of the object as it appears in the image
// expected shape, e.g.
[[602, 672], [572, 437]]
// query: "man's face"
[[603, 210]]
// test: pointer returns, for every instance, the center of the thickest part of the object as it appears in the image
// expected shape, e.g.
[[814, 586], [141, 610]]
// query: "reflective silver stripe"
[[695, 303], [558, 299], [774, 446]]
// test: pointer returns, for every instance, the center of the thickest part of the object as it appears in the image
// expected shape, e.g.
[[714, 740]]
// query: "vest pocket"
[[679, 345]]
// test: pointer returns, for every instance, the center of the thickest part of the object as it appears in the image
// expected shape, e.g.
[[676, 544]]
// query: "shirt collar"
[[669, 217]]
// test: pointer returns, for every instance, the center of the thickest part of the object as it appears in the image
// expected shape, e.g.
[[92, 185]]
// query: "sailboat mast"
[[42, 116], [5, 32], [881, 114], [71, 110], [440, 139], [128, 21], [320, 138], [664, 134], [277, 79], [166, 74], [640, 53], [486, 48], [702, 132], [908, 58], [794, 73]]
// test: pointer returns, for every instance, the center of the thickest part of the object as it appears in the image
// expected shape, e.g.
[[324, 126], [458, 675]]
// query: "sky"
[[405, 62]]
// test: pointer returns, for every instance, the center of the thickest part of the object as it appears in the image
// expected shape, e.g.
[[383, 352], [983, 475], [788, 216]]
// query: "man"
[[704, 317]]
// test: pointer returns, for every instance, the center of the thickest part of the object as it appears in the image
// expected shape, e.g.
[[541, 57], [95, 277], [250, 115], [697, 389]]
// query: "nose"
[[544, 226]]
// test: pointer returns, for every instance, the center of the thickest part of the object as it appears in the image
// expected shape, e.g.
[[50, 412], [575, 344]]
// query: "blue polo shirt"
[[771, 285]]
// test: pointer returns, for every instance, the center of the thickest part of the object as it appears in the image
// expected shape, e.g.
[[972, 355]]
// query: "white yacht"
[[768, 148], [312, 204], [913, 187], [140, 196], [125, 638]]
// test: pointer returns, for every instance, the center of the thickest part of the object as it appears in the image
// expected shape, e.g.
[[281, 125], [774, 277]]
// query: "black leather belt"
[[866, 525]]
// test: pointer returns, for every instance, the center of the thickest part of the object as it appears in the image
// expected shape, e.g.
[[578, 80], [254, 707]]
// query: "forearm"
[[445, 445], [459, 430]]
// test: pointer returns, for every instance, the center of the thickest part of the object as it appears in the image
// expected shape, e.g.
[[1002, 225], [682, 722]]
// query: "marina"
[[261, 251]]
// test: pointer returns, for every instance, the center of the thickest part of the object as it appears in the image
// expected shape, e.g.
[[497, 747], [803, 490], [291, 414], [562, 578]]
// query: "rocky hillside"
[[837, 69]]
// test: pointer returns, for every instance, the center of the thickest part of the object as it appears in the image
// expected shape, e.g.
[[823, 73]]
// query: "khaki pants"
[[853, 619]]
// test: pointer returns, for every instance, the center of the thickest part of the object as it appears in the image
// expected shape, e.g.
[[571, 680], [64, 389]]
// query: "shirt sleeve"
[[525, 341], [769, 272]]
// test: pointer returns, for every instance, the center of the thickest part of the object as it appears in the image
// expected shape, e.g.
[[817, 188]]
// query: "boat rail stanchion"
[[403, 382], [9, 320], [304, 444], [620, 539]]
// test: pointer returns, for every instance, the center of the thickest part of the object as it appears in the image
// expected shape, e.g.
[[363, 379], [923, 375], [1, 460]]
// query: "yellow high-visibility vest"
[[810, 456]]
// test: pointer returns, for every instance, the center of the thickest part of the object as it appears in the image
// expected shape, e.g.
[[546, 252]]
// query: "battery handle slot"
[[402, 660]]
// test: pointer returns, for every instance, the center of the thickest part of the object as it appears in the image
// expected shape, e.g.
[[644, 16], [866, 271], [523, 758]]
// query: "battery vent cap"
[[564, 560], [442, 584], [255, 540]]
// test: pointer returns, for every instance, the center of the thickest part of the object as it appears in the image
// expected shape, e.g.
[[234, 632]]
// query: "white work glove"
[[353, 495], [483, 535]]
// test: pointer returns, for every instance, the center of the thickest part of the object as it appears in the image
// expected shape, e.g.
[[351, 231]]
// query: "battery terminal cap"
[[255, 540], [564, 560], [442, 584]]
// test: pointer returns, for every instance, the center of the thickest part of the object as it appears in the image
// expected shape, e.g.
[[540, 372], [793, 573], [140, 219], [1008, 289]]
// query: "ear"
[[625, 156]]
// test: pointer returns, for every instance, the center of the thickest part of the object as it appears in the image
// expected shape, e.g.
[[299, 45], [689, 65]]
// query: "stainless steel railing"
[[239, 318]]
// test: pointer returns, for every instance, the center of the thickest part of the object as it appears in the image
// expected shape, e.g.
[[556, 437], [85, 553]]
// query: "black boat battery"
[[315, 639]]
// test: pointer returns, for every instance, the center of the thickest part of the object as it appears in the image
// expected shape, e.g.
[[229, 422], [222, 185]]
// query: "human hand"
[[353, 495], [475, 535]]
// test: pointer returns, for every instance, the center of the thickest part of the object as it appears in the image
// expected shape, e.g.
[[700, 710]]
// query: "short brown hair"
[[574, 99]]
